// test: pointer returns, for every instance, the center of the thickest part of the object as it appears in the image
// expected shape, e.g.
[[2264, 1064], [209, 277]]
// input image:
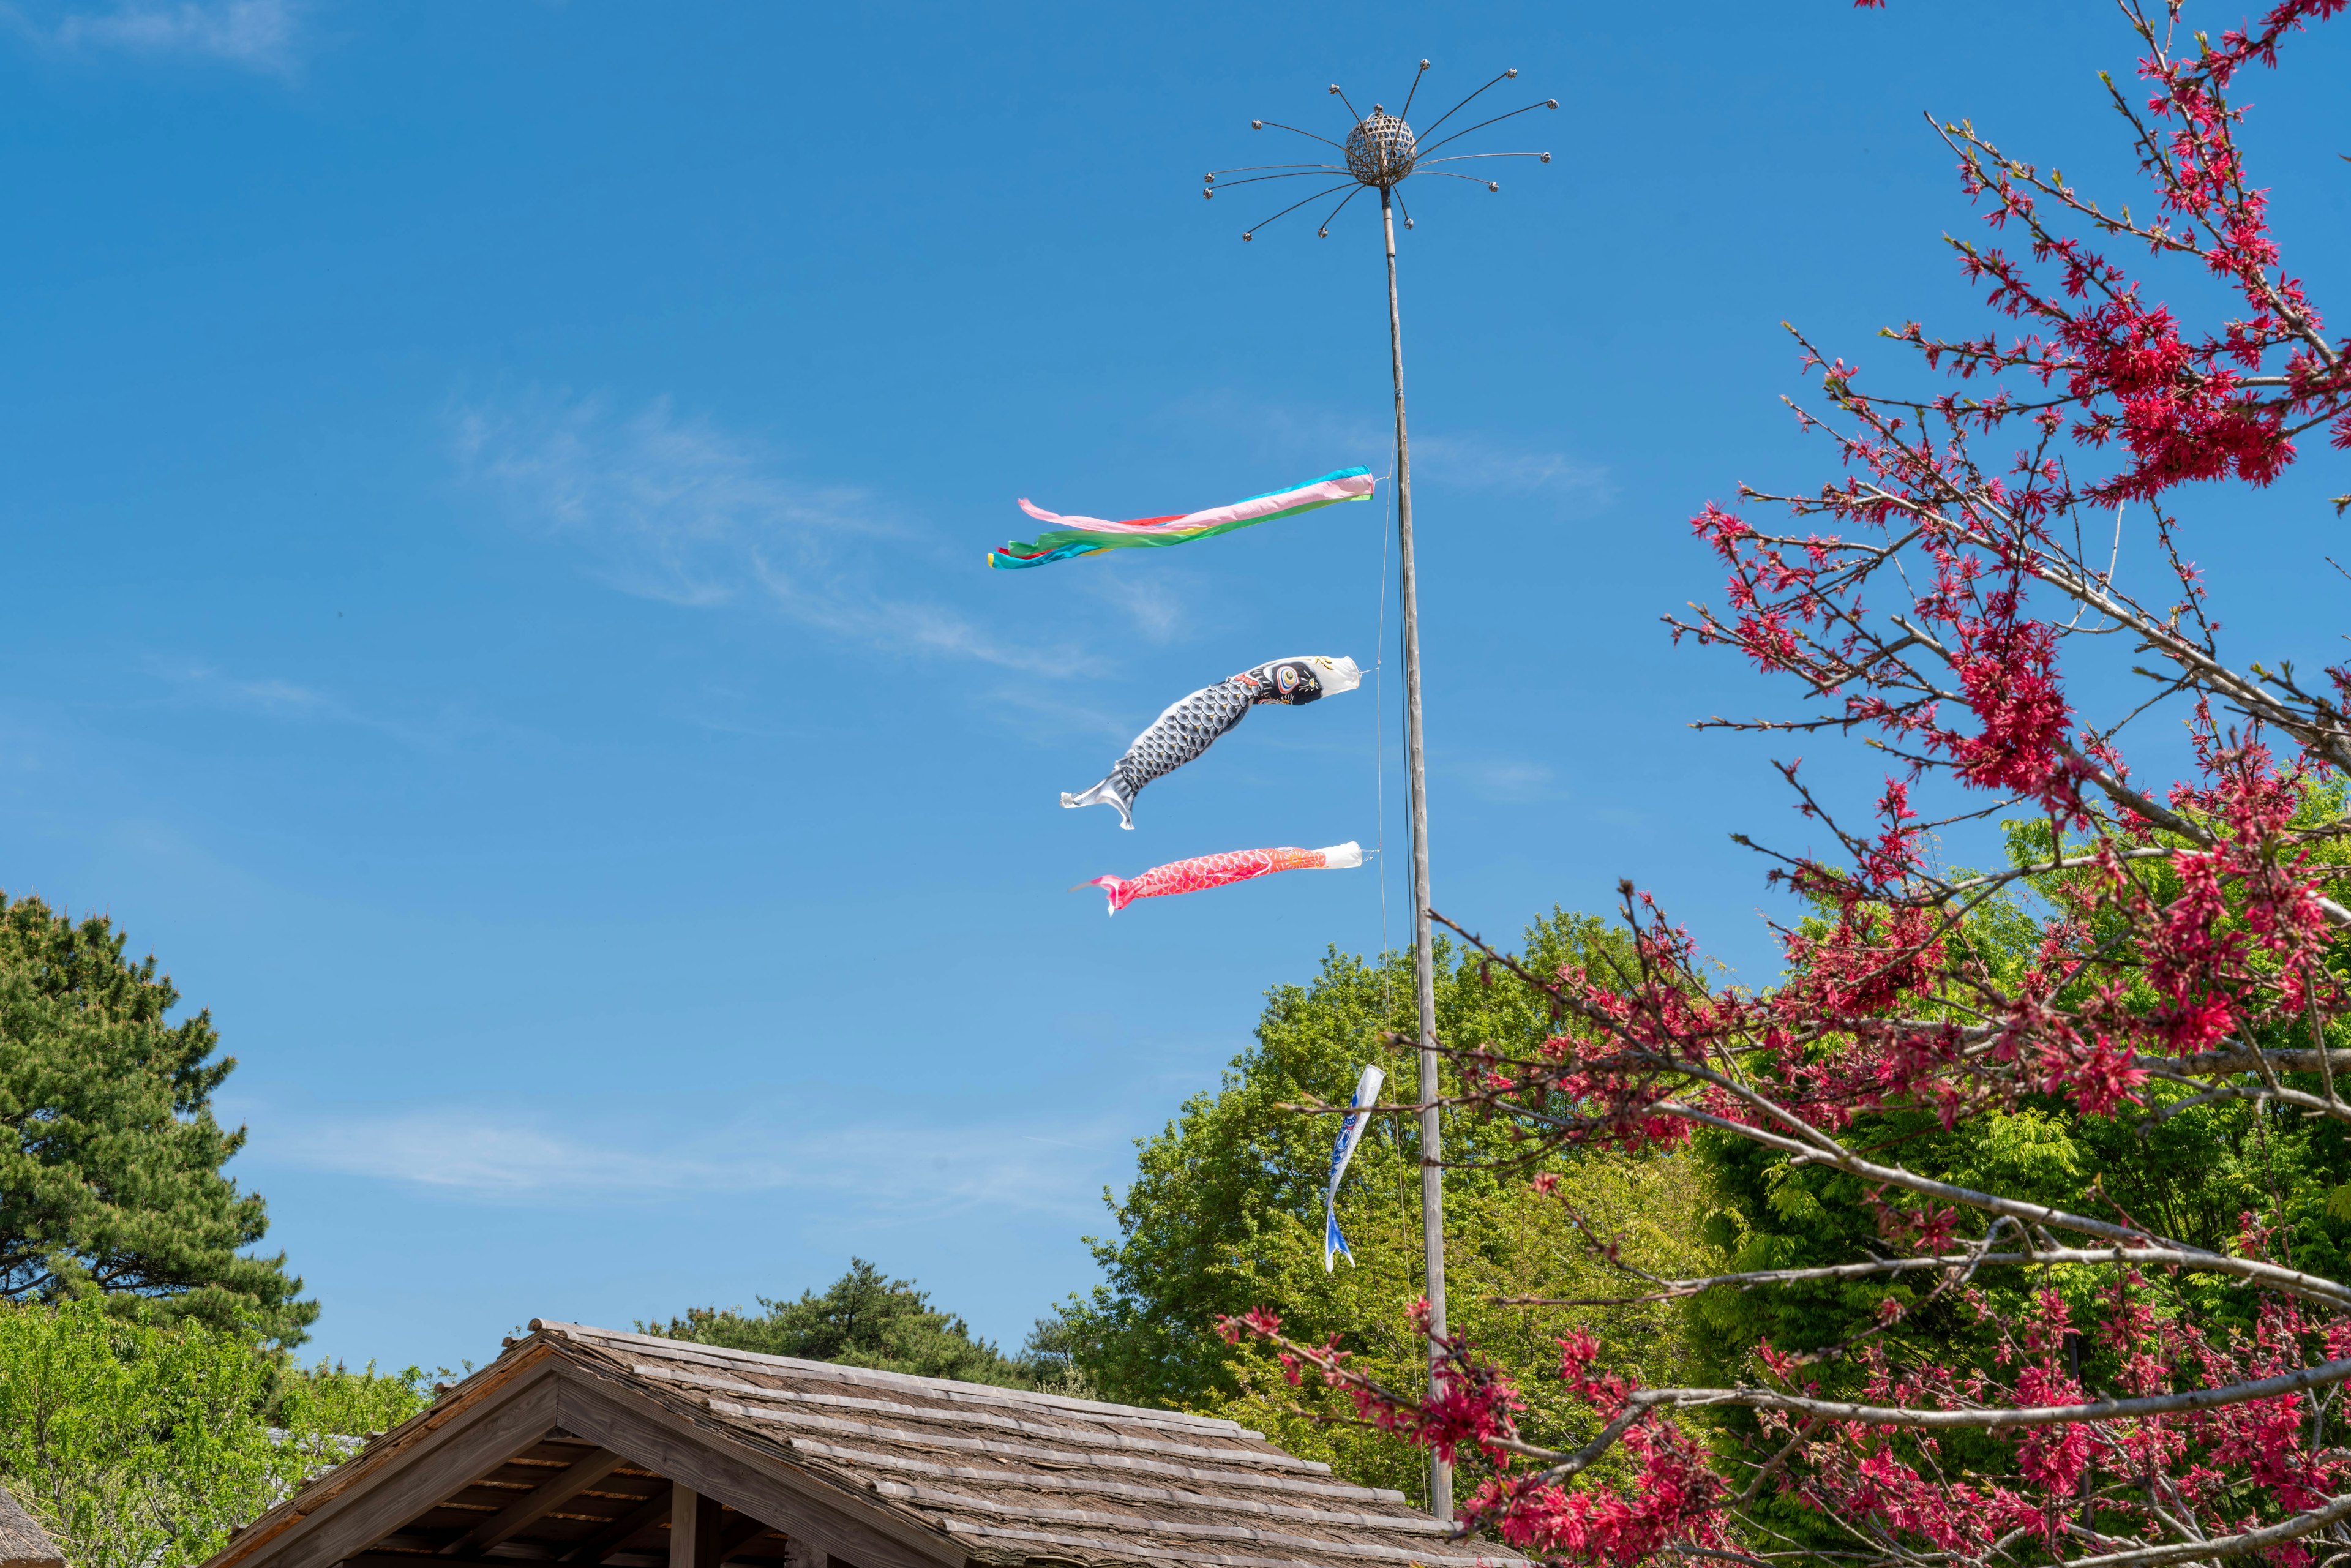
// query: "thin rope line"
[[1380, 740]]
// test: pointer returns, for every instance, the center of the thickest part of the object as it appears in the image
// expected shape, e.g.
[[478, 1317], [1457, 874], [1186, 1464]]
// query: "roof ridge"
[[923, 1411], [1277, 1459], [983, 1392]]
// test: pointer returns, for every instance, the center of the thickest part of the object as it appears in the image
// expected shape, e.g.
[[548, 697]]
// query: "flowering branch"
[[2073, 1385]]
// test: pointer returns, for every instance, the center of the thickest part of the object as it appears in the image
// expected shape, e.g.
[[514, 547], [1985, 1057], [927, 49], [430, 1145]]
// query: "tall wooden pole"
[[1423, 953]]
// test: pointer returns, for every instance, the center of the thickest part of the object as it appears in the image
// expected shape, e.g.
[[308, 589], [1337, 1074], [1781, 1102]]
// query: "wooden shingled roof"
[[22, 1543], [601, 1449]]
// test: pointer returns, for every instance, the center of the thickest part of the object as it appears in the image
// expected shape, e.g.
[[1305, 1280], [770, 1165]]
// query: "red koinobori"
[[1215, 871]]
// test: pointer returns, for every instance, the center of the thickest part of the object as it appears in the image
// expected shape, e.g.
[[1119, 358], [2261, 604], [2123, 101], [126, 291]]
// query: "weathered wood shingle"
[[22, 1543], [618, 1438]]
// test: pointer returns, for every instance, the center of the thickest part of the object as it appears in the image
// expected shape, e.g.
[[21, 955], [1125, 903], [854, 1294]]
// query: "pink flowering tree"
[[2117, 1395]]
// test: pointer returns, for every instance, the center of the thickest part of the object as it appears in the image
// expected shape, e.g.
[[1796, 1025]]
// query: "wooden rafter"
[[537, 1504], [606, 1540]]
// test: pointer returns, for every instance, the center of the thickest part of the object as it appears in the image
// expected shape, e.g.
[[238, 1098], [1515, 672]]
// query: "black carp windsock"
[[1192, 724]]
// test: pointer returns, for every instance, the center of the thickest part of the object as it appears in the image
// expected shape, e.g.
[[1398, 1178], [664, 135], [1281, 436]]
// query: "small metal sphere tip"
[[1493, 184], [1246, 236], [1210, 177], [1408, 223], [1334, 86], [1209, 195], [1423, 65], [1321, 234], [1551, 103], [1257, 125], [1511, 73], [1546, 157]]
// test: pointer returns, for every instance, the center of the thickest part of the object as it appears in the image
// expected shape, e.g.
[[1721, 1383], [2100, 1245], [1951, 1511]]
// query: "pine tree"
[[110, 1159], [863, 1318]]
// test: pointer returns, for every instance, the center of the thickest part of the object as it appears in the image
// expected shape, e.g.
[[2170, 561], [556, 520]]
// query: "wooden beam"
[[740, 1531], [433, 1469], [528, 1509], [609, 1538], [742, 1474], [480, 1399], [693, 1529]]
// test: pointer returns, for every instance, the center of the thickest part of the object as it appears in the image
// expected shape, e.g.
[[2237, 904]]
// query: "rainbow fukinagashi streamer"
[[1090, 535], [1215, 871]]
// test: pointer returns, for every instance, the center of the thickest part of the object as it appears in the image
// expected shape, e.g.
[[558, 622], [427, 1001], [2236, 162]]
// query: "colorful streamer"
[[1191, 724], [1351, 1133], [1089, 535], [1215, 871]]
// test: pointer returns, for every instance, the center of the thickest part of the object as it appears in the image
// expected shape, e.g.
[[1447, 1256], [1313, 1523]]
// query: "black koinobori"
[[1192, 725]]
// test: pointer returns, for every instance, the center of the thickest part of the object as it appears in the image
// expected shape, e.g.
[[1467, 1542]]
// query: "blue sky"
[[495, 505]]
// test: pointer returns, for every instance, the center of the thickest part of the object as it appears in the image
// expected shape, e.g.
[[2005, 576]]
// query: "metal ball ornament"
[[1380, 149], [1377, 152]]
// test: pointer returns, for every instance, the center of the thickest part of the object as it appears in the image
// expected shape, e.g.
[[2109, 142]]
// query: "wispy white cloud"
[[677, 510], [1153, 604], [1047, 711], [1470, 461], [272, 696], [257, 35], [1506, 782], [1474, 463], [894, 1170]]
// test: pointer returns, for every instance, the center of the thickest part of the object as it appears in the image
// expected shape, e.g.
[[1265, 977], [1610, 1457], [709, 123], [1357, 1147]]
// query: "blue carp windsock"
[[1351, 1133], [1192, 725]]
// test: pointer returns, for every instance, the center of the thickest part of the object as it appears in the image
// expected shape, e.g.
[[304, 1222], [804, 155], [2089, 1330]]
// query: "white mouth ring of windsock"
[[1341, 857], [1340, 674]]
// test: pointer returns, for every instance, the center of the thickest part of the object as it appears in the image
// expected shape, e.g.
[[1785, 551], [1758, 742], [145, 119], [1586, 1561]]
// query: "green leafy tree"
[[138, 1442], [110, 1156], [863, 1319], [329, 1397], [1225, 1213], [2189, 1164]]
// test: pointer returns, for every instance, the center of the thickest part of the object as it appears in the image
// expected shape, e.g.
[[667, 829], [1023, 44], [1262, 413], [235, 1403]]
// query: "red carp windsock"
[[1191, 724], [1215, 871]]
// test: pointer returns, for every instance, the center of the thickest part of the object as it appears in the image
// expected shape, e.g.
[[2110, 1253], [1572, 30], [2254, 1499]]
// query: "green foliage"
[[862, 1320], [331, 1398], [111, 1160], [1225, 1213], [140, 1443], [2176, 1164]]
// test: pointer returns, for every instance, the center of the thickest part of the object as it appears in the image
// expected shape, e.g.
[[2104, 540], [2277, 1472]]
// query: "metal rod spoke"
[[1546, 103], [1254, 179], [1406, 112], [1261, 124], [1322, 229], [1464, 157], [1464, 102], [1288, 210], [1245, 167], [1450, 175], [1351, 108]]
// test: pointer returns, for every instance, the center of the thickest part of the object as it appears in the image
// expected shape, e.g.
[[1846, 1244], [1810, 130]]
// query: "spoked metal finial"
[[1380, 153]]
